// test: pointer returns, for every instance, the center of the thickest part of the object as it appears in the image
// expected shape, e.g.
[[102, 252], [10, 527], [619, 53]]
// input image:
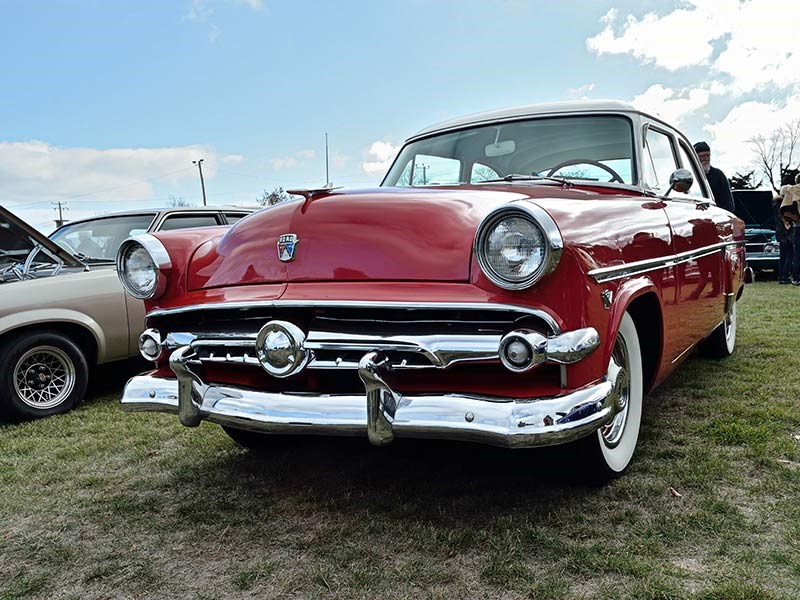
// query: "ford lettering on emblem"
[[286, 246]]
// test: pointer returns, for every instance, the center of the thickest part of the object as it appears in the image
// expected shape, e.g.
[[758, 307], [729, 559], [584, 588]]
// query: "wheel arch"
[[82, 330], [641, 300]]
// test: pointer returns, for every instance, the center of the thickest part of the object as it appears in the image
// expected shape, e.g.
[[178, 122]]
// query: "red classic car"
[[521, 278]]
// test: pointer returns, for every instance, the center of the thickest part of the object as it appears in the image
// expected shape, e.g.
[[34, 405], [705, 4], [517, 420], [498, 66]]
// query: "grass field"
[[103, 504]]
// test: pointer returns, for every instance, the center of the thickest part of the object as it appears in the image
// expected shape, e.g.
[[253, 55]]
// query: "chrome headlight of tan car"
[[141, 262], [517, 244]]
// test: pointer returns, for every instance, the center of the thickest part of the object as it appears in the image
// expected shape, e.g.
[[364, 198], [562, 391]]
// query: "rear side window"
[[188, 221]]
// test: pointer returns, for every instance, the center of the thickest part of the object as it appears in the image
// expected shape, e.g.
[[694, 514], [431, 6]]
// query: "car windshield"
[[587, 148], [99, 239]]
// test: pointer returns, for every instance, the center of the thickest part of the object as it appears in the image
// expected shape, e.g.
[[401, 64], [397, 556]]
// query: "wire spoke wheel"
[[44, 377]]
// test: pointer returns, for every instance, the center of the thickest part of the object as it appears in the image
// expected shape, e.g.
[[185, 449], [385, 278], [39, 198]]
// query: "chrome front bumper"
[[381, 412]]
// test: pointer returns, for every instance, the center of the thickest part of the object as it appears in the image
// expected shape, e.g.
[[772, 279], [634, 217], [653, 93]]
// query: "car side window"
[[233, 217], [430, 170], [481, 172], [659, 160], [688, 163], [187, 221]]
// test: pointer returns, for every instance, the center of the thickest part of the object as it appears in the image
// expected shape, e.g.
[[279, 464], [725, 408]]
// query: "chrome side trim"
[[544, 316], [604, 274]]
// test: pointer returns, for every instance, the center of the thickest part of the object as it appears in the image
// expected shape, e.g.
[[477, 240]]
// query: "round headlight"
[[139, 264], [517, 245]]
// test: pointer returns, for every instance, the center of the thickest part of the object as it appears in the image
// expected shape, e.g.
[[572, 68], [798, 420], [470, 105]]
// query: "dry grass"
[[103, 504]]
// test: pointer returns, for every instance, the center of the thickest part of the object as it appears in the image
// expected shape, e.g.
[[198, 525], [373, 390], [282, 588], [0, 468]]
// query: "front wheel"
[[607, 453], [722, 341], [41, 374]]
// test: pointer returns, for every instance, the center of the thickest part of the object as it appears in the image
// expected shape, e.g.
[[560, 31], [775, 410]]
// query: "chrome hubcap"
[[612, 433], [44, 377]]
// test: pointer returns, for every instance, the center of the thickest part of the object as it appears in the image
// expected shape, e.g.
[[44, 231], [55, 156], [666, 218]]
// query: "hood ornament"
[[287, 243]]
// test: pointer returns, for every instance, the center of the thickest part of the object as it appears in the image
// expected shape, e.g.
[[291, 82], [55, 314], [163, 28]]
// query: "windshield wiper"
[[518, 177]]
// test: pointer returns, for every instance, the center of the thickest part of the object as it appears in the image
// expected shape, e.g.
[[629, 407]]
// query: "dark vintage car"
[[62, 309], [755, 208], [521, 278]]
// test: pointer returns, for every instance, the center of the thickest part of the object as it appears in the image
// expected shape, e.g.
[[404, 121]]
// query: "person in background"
[[784, 238], [789, 212], [720, 188]]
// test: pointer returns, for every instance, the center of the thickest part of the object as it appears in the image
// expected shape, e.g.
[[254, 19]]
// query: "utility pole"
[[327, 173], [199, 164], [59, 203], [424, 174]]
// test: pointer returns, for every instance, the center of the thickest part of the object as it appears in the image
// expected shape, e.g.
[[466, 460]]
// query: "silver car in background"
[[62, 308]]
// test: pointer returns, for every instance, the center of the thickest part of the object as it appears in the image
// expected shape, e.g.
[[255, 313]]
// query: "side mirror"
[[680, 181]]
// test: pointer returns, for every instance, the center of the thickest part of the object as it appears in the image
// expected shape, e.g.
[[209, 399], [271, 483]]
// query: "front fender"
[[625, 295]]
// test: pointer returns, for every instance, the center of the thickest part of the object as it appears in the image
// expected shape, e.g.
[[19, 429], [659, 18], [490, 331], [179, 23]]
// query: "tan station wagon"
[[62, 308]]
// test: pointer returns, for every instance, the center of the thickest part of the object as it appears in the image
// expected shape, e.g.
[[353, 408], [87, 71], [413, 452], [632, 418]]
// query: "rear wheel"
[[41, 374], [607, 453], [722, 341]]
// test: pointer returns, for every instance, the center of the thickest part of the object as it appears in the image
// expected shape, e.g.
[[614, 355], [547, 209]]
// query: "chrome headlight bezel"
[[159, 257], [538, 217]]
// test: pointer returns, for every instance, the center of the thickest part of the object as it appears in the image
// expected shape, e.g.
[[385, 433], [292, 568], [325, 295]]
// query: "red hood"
[[391, 234]]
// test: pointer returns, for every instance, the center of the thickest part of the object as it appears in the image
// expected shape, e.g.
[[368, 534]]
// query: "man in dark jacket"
[[720, 188]]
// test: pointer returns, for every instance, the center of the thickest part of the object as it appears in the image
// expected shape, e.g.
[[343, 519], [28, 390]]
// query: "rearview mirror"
[[500, 148]]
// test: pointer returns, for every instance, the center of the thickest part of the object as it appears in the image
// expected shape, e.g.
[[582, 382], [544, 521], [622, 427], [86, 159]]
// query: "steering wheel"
[[585, 161]]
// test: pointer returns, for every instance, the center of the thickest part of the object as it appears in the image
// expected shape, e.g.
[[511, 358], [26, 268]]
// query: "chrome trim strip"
[[544, 316], [509, 422], [441, 350], [603, 274]]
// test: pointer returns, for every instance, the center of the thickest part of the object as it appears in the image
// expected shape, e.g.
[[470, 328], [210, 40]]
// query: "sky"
[[104, 104]]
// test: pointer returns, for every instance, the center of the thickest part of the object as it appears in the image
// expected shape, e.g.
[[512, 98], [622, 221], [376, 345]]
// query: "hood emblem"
[[287, 243]]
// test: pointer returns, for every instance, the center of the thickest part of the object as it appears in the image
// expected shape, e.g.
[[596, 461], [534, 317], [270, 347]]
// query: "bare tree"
[[274, 197], [744, 181], [775, 153], [178, 202]]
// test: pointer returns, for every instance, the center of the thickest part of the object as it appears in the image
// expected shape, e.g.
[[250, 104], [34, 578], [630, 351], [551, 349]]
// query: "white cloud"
[[198, 11], [381, 154], [580, 92], [679, 39], [292, 161], [764, 48], [671, 105], [36, 170], [306, 154], [756, 40], [232, 159], [340, 160], [254, 4], [729, 137]]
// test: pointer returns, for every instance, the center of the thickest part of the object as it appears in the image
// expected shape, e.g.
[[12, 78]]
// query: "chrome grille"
[[338, 334]]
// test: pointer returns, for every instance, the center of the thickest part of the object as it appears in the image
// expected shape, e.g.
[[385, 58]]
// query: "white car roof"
[[530, 110]]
